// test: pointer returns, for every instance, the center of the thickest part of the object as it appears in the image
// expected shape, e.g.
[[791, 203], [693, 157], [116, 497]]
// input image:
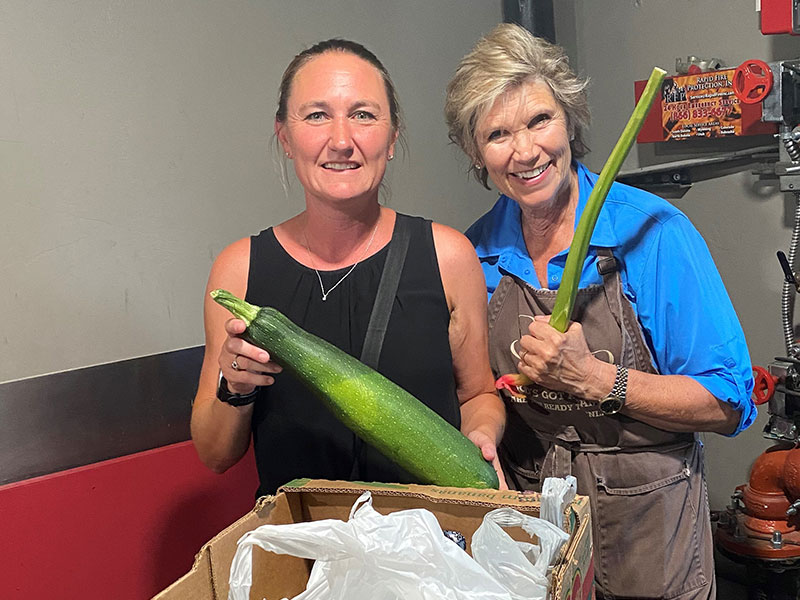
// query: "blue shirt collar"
[[505, 237]]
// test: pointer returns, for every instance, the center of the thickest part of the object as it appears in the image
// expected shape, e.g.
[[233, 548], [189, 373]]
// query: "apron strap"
[[558, 460], [608, 267], [606, 263], [635, 352]]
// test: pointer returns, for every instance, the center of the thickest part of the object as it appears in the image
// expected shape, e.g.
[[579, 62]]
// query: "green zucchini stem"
[[240, 309], [565, 298]]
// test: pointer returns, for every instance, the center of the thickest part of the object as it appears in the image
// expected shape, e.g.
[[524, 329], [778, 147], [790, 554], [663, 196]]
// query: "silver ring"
[[235, 365], [523, 355]]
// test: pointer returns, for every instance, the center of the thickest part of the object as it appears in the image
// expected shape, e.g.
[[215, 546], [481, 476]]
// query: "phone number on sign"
[[700, 113]]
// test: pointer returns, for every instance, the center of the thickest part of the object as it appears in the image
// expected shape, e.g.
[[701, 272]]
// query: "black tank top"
[[294, 434]]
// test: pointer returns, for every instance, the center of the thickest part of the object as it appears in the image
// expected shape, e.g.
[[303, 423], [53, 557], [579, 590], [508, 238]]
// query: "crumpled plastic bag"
[[520, 566], [400, 556], [557, 494], [405, 556]]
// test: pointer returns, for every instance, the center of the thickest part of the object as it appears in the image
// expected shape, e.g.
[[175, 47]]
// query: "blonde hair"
[[505, 58]]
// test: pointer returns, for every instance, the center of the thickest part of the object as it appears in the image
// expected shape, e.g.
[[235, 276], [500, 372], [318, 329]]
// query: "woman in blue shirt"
[[655, 353]]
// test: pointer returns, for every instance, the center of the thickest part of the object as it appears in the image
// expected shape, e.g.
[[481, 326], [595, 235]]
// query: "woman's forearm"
[[220, 432], [677, 403], [669, 402]]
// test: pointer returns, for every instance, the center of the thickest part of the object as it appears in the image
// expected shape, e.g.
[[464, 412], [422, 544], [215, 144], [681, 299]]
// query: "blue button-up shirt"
[[667, 273]]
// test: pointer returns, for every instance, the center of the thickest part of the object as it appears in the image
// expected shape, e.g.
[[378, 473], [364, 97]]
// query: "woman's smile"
[[340, 166], [534, 175]]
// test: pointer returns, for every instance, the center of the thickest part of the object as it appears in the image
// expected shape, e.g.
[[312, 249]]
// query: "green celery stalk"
[[565, 298]]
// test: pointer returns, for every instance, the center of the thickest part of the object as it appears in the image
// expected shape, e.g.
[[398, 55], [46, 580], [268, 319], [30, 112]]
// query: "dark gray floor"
[[734, 582], [731, 580]]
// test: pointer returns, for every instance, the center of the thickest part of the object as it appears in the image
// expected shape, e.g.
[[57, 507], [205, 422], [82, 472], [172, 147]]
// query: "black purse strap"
[[387, 288], [381, 311]]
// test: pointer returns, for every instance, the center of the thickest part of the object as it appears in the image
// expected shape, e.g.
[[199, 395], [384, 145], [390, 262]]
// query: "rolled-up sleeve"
[[688, 318]]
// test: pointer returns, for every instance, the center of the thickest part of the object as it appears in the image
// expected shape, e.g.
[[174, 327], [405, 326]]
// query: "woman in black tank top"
[[337, 120]]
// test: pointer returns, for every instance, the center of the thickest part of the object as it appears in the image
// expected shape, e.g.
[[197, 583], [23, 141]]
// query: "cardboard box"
[[279, 576]]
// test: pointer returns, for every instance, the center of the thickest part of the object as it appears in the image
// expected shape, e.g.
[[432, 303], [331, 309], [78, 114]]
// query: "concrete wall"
[[136, 142], [743, 221]]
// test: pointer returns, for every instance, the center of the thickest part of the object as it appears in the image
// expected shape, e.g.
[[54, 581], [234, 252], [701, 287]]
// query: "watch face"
[[611, 405]]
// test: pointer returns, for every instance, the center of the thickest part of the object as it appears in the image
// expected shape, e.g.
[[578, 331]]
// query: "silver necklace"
[[350, 270]]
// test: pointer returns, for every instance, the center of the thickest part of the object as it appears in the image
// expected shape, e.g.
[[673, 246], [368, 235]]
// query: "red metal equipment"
[[709, 104], [780, 16], [764, 386], [761, 526], [752, 81], [767, 525]]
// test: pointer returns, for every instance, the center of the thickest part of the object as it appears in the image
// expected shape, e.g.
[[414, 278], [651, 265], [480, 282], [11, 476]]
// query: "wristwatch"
[[615, 400], [225, 395]]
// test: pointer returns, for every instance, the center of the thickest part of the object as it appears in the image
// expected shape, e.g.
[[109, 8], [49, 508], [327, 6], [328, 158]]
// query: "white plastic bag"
[[400, 556], [557, 493], [521, 567], [405, 555]]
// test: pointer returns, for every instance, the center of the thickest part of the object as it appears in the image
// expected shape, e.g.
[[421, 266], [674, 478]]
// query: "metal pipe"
[[537, 16], [790, 143], [788, 292]]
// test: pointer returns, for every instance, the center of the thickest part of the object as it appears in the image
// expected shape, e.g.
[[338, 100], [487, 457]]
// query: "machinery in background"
[[757, 107], [706, 106], [761, 526]]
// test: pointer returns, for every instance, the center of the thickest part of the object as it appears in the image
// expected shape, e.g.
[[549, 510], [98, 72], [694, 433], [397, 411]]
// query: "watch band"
[[615, 400], [227, 396]]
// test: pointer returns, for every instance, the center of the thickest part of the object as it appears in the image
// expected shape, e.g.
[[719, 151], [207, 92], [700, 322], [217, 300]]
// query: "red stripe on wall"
[[123, 528]]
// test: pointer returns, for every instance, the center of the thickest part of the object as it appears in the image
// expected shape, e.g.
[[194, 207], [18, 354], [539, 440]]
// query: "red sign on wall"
[[702, 105]]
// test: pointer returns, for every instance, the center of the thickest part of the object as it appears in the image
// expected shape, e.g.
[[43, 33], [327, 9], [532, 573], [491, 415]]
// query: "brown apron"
[[650, 518]]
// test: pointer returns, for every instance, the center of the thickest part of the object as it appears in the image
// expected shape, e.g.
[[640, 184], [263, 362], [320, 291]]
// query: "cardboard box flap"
[[526, 502], [455, 508], [198, 583], [208, 577]]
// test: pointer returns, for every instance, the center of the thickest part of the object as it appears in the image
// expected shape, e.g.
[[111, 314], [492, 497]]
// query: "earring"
[[477, 166], [390, 157], [289, 155]]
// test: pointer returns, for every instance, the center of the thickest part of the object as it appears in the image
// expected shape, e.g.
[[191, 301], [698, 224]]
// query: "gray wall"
[[744, 224], [136, 142]]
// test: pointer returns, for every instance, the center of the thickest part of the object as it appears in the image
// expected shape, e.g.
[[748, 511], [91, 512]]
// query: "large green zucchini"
[[377, 410]]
